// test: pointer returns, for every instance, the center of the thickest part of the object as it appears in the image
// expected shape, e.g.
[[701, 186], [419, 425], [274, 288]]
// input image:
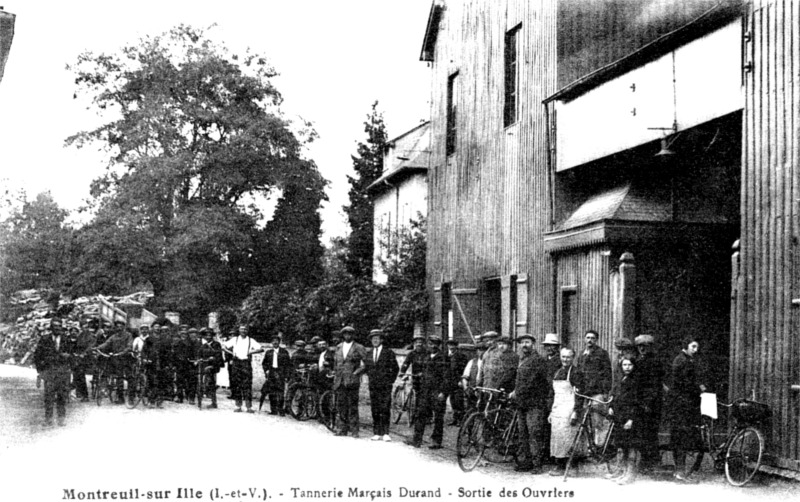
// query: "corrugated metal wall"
[[488, 204], [765, 348]]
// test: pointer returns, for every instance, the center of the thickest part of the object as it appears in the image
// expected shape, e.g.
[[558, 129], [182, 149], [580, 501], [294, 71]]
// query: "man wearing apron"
[[563, 416]]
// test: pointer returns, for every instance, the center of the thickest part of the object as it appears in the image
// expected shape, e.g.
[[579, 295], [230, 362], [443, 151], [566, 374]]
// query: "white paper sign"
[[708, 404]]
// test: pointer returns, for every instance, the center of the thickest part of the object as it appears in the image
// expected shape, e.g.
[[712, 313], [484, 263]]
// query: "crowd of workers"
[[546, 389]]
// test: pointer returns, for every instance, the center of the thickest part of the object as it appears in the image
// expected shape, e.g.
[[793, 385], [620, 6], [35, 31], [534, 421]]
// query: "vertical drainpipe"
[[551, 191]]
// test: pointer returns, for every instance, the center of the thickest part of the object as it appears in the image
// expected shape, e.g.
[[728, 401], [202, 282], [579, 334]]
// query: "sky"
[[335, 58]]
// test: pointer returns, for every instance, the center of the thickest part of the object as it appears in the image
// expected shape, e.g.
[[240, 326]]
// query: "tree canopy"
[[196, 139]]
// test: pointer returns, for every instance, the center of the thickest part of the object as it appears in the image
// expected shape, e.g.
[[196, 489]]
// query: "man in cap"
[[552, 363], [185, 351], [456, 362], [382, 368], [52, 358], [323, 368], [299, 356], [499, 369], [530, 393], [277, 365], [83, 341], [118, 346], [469, 378], [650, 377], [242, 348], [348, 367], [416, 360], [432, 398]]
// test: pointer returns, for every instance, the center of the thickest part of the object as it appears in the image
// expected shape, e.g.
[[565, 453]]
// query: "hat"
[[118, 321], [452, 341], [377, 332], [644, 339], [623, 343], [347, 329], [300, 343], [504, 339], [276, 337], [551, 339], [315, 339], [526, 336], [419, 336], [435, 339], [490, 334], [192, 330]]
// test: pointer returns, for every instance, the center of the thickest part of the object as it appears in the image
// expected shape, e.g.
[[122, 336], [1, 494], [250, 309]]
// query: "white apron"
[[562, 433]]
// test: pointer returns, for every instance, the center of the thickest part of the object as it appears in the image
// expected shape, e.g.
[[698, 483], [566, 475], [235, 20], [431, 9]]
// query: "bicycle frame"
[[596, 451]]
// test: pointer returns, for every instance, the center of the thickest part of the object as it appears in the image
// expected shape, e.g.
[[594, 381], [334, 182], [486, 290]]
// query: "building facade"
[[400, 195], [592, 166]]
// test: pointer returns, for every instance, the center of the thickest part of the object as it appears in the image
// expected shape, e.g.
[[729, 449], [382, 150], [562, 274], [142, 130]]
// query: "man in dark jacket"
[[456, 362], [347, 370], [530, 393], [650, 373], [119, 346], [594, 365], [209, 352], [381, 371], [277, 365], [499, 370], [431, 400], [52, 359]]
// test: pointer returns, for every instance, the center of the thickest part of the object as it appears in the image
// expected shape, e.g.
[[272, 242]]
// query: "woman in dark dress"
[[627, 409], [684, 413]]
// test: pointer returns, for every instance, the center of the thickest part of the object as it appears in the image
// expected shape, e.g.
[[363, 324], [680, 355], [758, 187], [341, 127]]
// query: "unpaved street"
[[112, 453]]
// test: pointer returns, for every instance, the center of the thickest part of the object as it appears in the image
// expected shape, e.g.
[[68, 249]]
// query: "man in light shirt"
[[242, 348]]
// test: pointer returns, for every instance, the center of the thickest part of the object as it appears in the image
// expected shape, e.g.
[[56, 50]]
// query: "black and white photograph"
[[360, 250]]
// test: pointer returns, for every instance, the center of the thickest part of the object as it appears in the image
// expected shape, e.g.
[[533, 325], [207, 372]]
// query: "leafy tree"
[[196, 138], [368, 166], [36, 246]]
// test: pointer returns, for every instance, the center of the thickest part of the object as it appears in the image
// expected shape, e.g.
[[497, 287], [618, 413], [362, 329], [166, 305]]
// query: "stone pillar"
[[627, 300]]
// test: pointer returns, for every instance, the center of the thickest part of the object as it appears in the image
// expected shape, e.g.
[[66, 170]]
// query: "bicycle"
[[327, 412], [740, 451], [205, 380], [108, 382], [138, 386], [404, 400], [599, 452], [303, 398], [491, 432]]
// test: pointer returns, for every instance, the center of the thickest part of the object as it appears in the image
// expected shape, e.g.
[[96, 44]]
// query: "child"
[[626, 407]]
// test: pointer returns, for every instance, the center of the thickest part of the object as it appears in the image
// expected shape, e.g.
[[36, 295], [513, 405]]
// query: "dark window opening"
[[451, 113], [511, 59]]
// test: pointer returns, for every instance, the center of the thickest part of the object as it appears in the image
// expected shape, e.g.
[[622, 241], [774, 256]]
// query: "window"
[[451, 113], [511, 58]]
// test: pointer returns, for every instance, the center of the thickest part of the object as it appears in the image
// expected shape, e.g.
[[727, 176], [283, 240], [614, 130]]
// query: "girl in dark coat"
[[626, 407], [684, 412]]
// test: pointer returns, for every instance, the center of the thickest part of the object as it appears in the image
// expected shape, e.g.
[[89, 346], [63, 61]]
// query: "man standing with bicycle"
[[209, 352], [530, 395], [118, 346], [242, 348], [432, 396]]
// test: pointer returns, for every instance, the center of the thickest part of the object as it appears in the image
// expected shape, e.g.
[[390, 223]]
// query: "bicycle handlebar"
[[590, 398], [118, 354]]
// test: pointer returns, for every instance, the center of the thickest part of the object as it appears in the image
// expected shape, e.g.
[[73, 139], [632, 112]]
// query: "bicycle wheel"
[[201, 386], [502, 446], [133, 394], [297, 402], [327, 410], [101, 389], [312, 403], [743, 458], [398, 403], [470, 444], [581, 435]]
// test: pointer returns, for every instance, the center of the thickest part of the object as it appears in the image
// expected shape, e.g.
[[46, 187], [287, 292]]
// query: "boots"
[[631, 467]]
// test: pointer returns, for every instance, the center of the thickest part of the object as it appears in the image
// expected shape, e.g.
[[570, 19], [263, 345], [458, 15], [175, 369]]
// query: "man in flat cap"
[[456, 362], [432, 398], [530, 393], [348, 367], [499, 369], [594, 365], [381, 371], [552, 362], [650, 376]]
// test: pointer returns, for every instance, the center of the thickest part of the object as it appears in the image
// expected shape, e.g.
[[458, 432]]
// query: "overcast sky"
[[335, 58]]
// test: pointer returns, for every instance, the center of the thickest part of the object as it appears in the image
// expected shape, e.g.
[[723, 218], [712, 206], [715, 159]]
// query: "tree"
[[368, 166], [36, 246], [196, 138]]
